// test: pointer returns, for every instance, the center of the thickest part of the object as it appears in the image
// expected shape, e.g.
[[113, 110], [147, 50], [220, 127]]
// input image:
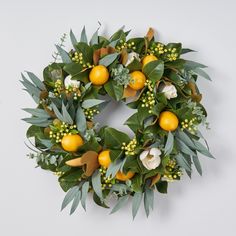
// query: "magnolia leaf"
[[108, 59], [64, 55], [85, 189], [96, 183], [73, 38], [148, 200], [137, 199], [36, 80], [120, 203], [150, 34], [169, 143], [114, 90], [202, 73], [75, 202], [154, 70], [186, 50], [91, 103], [191, 65], [81, 120], [162, 187], [69, 196], [83, 36]]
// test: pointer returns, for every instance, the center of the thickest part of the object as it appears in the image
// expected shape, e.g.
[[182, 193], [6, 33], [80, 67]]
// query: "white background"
[[30, 198]]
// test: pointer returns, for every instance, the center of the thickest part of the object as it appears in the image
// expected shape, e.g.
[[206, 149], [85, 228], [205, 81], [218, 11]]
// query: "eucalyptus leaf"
[[75, 202], [96, 183], [66, 116], [57, 112], [137, 199], [202, 73], [148, 200], [83, 36], [73, 38], [197, 164], [85, 189], [182, 162], [91, 103], [81, 120], [113, 168], [169, 144], [36, 80], [120, 203], [108, 59], [37, 112], [184, 148], [64, 55], [202, 149], [69, 196]]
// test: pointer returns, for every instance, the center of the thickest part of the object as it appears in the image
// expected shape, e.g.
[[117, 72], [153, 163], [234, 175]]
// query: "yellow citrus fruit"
[[99, 75], [148, 59], [168, 121], [137, 81], [123, 177], [104, 158], [72, 142]]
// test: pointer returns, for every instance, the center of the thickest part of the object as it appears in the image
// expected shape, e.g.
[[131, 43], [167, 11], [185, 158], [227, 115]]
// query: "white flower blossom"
[[69, 82], [131, 57], [169, 91], [151, 158]]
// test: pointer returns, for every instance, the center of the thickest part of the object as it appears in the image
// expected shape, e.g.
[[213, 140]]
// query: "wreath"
[[148, 76]]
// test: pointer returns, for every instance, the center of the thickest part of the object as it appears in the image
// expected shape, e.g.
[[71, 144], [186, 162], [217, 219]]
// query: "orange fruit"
[[148, 59], [168, 121], [123, 177], [104, 158], [99, 75], [137, 81], [72, 142]]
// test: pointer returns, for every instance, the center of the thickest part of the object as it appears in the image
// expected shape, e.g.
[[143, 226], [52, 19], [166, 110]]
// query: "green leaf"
[[85, 189], [81, 120], [184, 148], [98, 201], [94, 39], [36, 80], [66, 116], [114, 138], [135, 65], [169, 144], [34, 131], [133, 123], [91, 103], [69, 196], [186, 50], [202, 149], [182, 162], [75, 202], [162, 187], [137, 199], [137, 182], [83, 36], [73, 38], [191, 65], [108, 59], [37, 112], [154, 70], [197, 164], [202, 73], [57, 112], [120, 203], [96, 183], [148, 200], [114, 90], [64, 55], [86, 51], [115, 154]]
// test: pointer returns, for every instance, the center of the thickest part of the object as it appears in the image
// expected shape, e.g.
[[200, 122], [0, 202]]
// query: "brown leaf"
[[89, 160], [124, 56], [129, 92], [195, 95], [102, 52], [150, 34], [155, 179]]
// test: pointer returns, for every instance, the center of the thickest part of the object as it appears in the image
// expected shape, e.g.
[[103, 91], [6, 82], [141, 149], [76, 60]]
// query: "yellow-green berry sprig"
[[148, 100], [90, 113], [172, 55], [157, 49], [122, 45], [190, 125], [59, 130], [77, 57], [106, 182], [130, 147], [172, 171], [58, 88], [74, 91]]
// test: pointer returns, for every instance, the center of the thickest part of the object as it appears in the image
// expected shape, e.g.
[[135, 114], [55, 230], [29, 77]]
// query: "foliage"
[[64, 109]]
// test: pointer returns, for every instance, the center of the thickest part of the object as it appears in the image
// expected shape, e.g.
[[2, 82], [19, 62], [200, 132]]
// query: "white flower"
[[169, 91], [69, 82], [151, 158], [131, 57]]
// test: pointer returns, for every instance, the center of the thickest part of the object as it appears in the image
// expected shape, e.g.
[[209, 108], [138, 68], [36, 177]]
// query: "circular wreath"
[[146, 75]]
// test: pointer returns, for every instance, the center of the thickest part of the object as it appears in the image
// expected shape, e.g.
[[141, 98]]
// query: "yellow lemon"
[[71, 143], [168, 121], [104, 158], [137, 80], [123, 177], [99, 75], [148, 59]]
